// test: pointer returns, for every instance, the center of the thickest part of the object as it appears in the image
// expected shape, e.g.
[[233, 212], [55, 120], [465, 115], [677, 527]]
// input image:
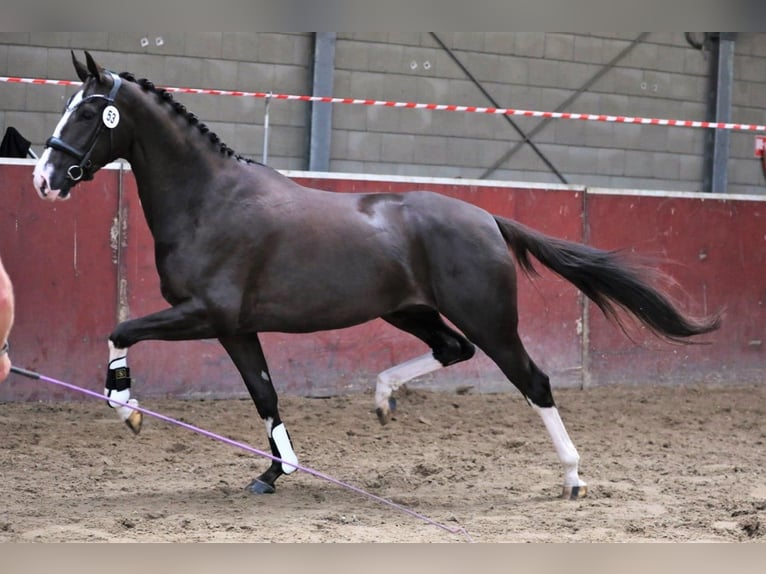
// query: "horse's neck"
[[172, 168]]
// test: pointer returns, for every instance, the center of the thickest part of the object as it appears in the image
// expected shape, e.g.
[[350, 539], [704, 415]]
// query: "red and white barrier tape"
[[435, 107]]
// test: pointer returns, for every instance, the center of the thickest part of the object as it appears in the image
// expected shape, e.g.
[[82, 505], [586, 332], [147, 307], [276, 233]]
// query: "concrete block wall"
[[661, 77], [227, 60]]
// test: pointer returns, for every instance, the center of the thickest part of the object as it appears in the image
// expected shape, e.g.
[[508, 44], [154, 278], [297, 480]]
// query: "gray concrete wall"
[[235, 61], [662, 77]]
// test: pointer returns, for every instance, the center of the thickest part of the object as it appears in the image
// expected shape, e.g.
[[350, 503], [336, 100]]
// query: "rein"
[[456, 530], [83, 169]]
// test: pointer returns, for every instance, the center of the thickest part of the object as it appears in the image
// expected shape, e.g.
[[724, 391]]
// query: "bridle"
[[83, 169]]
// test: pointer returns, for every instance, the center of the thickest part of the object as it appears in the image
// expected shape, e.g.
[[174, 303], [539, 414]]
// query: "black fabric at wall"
[[14, 144]]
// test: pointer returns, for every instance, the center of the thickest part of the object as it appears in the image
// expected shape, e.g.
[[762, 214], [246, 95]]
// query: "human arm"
[[6, 320]]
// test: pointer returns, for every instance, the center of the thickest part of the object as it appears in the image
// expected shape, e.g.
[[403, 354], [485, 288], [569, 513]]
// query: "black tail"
[[606, 279]]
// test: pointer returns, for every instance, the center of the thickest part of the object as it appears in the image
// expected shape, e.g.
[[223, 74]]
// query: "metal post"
[[494, 103], [266, 130], [321, 113], [724, 83]]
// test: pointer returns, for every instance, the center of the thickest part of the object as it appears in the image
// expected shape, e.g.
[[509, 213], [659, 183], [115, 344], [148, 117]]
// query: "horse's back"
[[404, 225]]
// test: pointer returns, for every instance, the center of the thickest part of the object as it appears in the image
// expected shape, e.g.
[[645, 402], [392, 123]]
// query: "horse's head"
[[85, 138]]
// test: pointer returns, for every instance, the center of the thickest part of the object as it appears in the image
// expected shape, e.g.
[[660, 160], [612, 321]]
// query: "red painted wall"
[[72, 263], [61, 259], [715, 251]]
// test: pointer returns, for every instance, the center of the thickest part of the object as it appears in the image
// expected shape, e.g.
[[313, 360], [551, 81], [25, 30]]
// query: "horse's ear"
[[82, 71], [95, 70]]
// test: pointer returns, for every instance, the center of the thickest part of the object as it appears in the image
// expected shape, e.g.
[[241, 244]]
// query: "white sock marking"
[[115, 353], [124, 397], [391, 379], [565, 449], [120, 363]]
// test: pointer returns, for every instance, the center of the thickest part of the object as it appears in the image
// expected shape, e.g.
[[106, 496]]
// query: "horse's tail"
[[606, 279]]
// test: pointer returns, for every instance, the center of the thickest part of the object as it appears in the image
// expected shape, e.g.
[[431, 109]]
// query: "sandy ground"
[[663, 464]]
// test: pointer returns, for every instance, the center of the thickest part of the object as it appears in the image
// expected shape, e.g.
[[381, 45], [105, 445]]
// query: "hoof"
[[260, 487], [134, 421], [385, 415], [574, 492]]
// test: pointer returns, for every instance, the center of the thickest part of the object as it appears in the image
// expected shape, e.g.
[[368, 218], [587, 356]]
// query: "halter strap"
[[82, 169]]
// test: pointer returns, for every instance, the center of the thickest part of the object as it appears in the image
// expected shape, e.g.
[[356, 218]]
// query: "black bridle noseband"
[[82, 170]]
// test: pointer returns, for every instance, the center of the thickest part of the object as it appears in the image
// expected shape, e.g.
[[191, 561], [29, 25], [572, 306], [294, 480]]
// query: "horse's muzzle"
[[45, 191]]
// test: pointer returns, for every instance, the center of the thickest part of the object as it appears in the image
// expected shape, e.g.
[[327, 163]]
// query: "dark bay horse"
[[241, 250]]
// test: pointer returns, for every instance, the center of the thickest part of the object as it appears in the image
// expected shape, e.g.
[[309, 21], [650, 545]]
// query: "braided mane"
[[167, 97]]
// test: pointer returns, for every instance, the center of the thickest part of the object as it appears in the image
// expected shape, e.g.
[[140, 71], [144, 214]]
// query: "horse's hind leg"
[[246, 353], [510, 355], [539, 396], [447, 348], [493, 328]]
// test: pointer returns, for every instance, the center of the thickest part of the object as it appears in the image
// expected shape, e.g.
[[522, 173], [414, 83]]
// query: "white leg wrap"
[[284, 445], [391, 379], [566, 451]]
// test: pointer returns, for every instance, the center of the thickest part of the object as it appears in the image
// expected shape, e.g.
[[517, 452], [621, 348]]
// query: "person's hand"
[[5, 366]]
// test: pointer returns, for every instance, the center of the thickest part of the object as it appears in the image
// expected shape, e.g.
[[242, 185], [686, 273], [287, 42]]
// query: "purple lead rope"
[[246, 447]]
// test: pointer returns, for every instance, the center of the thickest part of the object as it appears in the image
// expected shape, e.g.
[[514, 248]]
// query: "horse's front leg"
[[117, 387], [182, 322], [246, 353]]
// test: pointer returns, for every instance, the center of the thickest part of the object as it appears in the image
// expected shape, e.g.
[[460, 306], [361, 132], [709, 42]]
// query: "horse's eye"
[[87, 114]]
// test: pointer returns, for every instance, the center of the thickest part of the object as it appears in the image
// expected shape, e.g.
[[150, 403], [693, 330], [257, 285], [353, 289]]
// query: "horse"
[[241, 249]]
